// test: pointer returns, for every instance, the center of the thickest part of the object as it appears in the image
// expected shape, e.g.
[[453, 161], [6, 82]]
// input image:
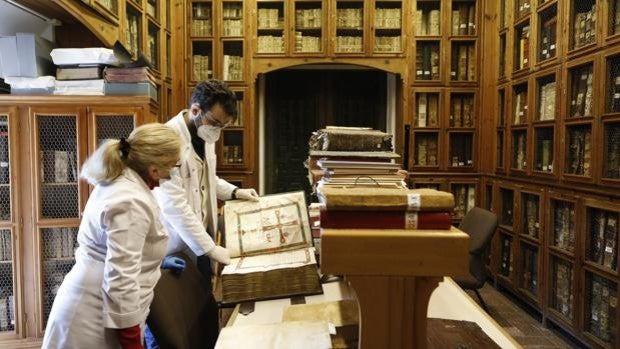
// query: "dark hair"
[[211, 92]]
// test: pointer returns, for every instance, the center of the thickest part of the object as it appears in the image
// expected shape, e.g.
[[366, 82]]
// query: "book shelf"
[[547, 49], [387, 33], [349, 27], [308, 24], [62, 132], [465, 197], [567, 136], [270, 27]]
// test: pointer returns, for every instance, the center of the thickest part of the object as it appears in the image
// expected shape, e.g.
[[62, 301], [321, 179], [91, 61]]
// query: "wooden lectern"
[[393, 273]]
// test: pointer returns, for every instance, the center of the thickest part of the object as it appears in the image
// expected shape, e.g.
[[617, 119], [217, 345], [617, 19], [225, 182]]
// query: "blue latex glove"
[[175, 264]]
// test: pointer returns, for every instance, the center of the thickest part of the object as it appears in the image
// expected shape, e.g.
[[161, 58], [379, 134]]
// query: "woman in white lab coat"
[[104, 300]]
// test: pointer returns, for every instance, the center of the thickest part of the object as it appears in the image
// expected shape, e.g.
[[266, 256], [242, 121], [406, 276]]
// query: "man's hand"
[[220, 255], [247, 194], [175, 264]]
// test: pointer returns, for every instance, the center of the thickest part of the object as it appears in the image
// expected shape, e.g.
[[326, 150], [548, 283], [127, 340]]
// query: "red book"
[[385, 220]]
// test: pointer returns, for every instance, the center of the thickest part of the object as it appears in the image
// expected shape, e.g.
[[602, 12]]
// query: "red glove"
[[130, 337]]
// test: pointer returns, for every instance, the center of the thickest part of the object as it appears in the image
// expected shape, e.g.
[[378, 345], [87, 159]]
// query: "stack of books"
[[361, 173], [351, 145], [137, 81], [79, 71], [385, 208]]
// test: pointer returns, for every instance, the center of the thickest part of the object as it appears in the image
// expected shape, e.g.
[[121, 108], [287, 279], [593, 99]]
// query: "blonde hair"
[[151, 144]]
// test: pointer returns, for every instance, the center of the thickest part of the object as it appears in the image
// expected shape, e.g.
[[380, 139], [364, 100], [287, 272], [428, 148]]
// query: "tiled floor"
[[523, 327]]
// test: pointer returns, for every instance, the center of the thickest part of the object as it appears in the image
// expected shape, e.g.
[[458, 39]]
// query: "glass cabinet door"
[[58, 166], [309, 35], [112, 125], [349, 27], [58, 197], [7, 257], [58, 249]]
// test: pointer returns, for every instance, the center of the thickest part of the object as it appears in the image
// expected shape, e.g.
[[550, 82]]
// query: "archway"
[[295, 101]]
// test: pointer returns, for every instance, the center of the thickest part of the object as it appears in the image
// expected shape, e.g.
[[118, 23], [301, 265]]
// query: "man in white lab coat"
[[189, 199]]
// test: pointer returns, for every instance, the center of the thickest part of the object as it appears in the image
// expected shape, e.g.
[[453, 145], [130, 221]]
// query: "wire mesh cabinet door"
[[58, 194], [111, 123], [8, 280]]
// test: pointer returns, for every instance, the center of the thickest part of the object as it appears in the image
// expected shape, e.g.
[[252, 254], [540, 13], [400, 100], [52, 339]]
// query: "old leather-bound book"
[[377, 199], [351, 139], [271, 251]]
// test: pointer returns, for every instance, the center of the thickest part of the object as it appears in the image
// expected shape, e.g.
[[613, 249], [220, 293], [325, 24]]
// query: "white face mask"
[[208, 133]]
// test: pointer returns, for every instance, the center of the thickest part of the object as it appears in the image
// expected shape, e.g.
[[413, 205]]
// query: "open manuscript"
[[271, 249]]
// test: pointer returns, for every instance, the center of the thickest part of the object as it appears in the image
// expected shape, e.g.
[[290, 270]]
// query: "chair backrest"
[[480, 225], [180, 309]]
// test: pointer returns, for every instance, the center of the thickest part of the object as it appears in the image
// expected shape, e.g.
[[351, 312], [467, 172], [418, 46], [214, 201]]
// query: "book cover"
[[270, 245], [341, 219], [373, 199]]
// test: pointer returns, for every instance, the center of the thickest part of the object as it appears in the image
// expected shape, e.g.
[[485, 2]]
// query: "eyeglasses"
[[214, 122]]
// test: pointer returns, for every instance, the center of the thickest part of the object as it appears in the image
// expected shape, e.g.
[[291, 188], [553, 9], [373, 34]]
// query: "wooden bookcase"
[[560, 153], [42, 197]]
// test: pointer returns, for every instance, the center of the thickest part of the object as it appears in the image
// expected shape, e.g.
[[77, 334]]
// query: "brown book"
[[422, 152], [419, 61], [471, 20], [422, 110], [455, 22], [610, 255], [455, 112], [432, 152], [351, 139], [341, 219], [435, 62], [433, 110], [463, 17], [373, 199], [270, 245], [525, 39], [471, 62], [462, 66], [79, 73]]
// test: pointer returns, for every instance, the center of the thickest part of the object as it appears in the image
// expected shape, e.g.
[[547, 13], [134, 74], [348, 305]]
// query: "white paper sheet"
[[264, 262], [89, 55], [285, 335]]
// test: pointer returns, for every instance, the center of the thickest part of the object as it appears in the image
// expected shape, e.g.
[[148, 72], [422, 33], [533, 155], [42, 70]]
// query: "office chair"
[[480, 225], [183, 310]]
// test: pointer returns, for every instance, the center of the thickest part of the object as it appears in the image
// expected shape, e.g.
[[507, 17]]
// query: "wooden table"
[[448, 301], [393, 273]]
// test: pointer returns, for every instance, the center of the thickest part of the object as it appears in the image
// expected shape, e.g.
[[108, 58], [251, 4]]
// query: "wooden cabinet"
[[42, 196], [143, 27]]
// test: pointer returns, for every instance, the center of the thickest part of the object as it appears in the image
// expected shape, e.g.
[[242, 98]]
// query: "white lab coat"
[[121, 245], [183, 199]]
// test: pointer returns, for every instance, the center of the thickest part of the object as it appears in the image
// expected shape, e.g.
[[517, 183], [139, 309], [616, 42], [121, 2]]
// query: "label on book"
[[609, 249], [411, 220], [413, 201]]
